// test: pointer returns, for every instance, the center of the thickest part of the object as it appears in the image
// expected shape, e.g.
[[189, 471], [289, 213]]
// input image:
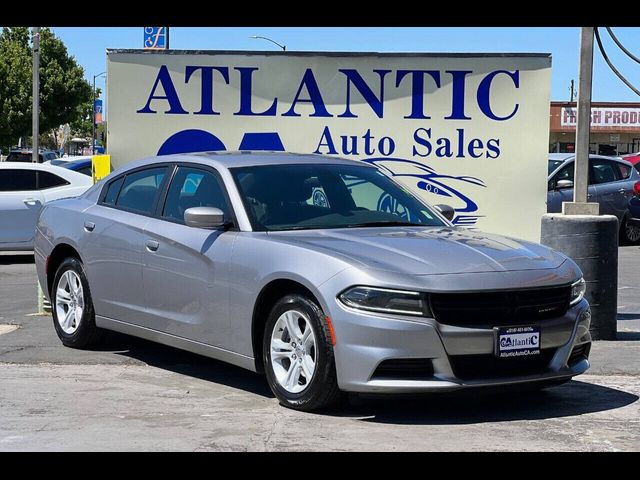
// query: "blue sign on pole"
[[156, 38], [97, 109]]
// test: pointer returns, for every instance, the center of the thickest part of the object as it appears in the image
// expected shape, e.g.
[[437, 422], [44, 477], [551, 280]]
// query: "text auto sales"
[[163, 98]]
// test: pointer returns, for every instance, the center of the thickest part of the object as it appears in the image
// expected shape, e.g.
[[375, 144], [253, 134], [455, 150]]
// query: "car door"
[[20, 204], [185, 269], [557, 195], [113, 240], [607, 179]]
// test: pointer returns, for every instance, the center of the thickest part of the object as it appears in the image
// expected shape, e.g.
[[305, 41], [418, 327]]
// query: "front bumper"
[[365, 340]]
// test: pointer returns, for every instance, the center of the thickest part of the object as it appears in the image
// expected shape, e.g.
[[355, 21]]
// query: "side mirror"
[[446, 211], [204, 217], [560, 184]]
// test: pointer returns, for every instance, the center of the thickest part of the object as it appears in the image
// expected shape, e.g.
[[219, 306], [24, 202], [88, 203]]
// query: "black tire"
[[323, 390], [625, 239], [87, 334]]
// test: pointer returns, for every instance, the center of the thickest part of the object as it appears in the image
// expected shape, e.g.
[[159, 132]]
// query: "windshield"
[[300, 197]]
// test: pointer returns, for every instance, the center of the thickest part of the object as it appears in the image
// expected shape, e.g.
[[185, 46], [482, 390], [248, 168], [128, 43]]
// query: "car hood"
[[422, 251]]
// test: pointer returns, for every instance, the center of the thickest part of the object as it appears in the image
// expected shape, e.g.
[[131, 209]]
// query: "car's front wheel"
[[298, 355], [72, 307]]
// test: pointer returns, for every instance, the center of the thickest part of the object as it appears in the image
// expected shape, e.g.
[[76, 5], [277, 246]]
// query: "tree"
[[63, 88]]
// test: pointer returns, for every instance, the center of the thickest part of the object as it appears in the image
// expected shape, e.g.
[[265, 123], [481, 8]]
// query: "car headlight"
[[577, 291], [386, 300]]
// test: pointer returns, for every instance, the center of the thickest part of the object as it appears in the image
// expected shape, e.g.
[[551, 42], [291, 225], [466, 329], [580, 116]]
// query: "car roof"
[[561, 156], [233, 159], [571, 156]]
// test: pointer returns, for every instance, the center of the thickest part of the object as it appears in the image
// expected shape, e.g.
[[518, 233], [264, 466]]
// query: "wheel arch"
[[268, 296], [60, 252]]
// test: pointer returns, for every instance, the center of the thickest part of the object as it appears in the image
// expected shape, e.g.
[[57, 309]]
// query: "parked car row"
[[613, 183]]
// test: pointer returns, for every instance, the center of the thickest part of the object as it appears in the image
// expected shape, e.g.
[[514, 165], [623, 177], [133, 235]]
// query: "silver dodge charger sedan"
[[323, 273]]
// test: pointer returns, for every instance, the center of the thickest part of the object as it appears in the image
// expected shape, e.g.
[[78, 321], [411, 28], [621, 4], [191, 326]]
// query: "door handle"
[[152, 245], [89, 226], [589, 195], [30, 201], [622, 190]]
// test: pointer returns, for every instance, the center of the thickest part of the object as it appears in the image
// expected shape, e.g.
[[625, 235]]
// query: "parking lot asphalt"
[[131, 394]]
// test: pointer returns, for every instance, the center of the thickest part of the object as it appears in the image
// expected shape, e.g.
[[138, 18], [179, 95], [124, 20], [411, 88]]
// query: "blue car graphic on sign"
[[428, 180]]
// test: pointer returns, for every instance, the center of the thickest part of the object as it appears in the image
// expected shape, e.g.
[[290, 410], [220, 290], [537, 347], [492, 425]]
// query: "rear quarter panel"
[[60, 221]]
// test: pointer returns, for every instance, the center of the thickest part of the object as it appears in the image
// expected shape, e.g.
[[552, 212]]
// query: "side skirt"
[[177, 342]]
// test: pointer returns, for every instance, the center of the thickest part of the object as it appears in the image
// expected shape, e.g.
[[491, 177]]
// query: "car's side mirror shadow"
[[561, 184], [446, 211], [204, 217]]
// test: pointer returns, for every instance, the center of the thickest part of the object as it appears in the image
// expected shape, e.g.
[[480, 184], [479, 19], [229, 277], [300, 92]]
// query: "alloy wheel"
[[69, 302], [633, 233], [293, 351]]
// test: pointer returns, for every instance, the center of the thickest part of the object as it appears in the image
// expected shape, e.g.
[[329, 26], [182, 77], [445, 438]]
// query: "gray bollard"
[[592, 242]]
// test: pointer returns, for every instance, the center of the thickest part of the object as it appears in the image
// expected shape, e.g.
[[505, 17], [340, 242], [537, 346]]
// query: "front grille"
[[579, 352], [404, 368], [488, 366], [481, 309]]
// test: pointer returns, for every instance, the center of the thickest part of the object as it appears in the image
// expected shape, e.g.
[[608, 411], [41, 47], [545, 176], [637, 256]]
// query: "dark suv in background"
[[25, 155], [611, 184]]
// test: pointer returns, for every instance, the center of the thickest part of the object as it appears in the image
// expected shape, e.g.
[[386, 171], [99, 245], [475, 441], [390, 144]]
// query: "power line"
[[611, 66], [622, 47]]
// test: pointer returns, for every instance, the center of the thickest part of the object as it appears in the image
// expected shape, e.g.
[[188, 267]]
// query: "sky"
[[88, 45]]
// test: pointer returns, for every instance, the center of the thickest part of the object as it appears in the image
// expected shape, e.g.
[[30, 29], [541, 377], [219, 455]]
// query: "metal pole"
[[35, 126], [35, 95], [93, 119], [583, 127]]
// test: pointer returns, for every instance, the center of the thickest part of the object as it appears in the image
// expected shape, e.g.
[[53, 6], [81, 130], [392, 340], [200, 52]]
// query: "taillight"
[[636, 188]]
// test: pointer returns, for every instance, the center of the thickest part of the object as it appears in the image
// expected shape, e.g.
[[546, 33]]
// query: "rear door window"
[[625, 170], [603, 171], [15, 180], [140, 190]]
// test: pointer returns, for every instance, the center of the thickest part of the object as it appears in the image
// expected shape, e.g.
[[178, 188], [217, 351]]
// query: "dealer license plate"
[[518, 341]]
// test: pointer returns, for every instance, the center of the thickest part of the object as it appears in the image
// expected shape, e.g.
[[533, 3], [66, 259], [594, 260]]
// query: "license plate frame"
[[517, 341]]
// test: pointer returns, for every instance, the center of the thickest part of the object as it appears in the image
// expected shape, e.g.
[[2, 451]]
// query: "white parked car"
[[24, 189]]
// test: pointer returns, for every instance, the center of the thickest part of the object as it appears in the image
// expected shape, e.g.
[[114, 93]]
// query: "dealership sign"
[[466, 130], [603, 117]]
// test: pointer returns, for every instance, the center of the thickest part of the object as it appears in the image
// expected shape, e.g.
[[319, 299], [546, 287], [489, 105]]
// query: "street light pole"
[[93, 115], [283, 47], [35, 94]]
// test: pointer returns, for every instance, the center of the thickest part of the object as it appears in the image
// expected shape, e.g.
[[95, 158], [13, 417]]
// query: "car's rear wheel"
[[298, 355], [629, 234], [72, 307]]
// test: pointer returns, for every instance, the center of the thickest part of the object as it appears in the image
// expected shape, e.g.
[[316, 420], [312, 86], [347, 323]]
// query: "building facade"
[[615, 127]]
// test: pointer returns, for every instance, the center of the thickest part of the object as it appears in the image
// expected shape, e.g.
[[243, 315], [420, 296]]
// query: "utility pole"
[[583, 126], [35, 130], [35, 107]]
